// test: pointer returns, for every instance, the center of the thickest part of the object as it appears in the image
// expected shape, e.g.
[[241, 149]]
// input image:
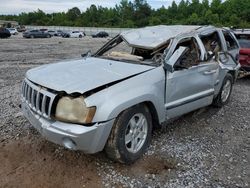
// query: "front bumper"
[[72, 136]]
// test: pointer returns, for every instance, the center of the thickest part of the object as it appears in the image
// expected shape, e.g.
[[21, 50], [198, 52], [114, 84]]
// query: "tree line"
[[138, 13]]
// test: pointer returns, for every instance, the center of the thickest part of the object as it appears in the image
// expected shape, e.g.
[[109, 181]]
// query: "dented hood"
[[83, 75]]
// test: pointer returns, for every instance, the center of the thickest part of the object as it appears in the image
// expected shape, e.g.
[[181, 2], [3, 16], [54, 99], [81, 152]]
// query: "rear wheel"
[[225, 91], [48, 36], [32, 36], [131, 135]]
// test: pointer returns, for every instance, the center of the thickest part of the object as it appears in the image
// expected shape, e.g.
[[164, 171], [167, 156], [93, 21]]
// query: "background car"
[[245, 54], [101, 34], [13, 31], [4, 33], [36, 34], [51, 32], [74, 34], [21, 28], [64, 33], [59, 33]]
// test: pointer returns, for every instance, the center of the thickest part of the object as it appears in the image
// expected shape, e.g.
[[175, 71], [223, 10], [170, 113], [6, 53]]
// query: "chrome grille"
[[38, 98]]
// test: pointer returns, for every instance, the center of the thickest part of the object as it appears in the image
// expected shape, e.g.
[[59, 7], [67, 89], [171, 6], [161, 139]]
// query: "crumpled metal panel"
[[155, 36]]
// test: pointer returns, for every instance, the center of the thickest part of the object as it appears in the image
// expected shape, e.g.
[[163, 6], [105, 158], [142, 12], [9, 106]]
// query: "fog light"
[[69, 144]]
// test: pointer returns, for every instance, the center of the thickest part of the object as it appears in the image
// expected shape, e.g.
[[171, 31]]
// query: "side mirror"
[[169, 66]]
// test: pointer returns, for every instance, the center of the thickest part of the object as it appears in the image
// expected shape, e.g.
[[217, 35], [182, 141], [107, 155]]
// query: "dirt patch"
[[149, 165], [32, 162]]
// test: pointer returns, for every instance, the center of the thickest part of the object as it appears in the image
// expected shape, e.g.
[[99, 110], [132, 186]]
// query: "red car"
[[245, 54]]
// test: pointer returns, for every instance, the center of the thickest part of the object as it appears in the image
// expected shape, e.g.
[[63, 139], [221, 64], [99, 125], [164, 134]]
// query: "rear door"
[[37, 33], [231, 45], [190, 86], [75, 34]]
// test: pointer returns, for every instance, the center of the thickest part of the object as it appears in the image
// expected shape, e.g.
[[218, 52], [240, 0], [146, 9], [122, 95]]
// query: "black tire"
[[115, 148], [80, 36], [32, 36], [218, 101], [48, 36]]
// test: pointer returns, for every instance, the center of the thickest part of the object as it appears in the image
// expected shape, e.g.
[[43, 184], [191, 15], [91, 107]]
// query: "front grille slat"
[[32, 97], [50, 106], [29, 95], [39, 99], [40, 102], [44, 104]]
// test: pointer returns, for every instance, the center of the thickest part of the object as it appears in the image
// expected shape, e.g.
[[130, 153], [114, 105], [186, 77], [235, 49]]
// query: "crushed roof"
[[155, 36]]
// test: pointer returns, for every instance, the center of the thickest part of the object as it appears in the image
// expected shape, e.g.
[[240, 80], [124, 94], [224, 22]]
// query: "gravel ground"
[[205, 148]]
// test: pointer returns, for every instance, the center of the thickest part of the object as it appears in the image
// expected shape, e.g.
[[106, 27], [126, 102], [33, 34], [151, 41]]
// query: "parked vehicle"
[[51, 32], [101, 34], [74, 34], [59, 33], [13, 31], [244, 40], [64, 33], [4, 33], [140, 79], [21, 28], [36, 34]]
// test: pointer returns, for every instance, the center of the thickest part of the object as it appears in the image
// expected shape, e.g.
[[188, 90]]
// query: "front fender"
[[146, 87]]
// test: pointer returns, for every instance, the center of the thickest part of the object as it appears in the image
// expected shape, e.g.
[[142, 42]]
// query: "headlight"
[[74, 110]]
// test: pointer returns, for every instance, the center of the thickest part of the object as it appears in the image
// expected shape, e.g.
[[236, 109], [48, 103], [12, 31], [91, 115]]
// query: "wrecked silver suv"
[[141, 78]]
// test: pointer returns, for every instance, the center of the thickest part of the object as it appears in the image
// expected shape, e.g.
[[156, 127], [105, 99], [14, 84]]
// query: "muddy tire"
[[225, 91], [130, 135]]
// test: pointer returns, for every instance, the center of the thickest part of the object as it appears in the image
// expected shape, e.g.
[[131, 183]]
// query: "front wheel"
[[131, 135], [225, 91]]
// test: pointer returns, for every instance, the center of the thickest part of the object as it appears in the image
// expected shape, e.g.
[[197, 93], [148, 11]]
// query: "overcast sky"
[[18, 6]]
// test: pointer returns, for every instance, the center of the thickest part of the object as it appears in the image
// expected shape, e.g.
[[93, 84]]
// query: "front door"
[[191, 85]]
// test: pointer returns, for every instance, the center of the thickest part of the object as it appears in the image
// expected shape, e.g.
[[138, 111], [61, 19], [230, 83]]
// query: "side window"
[[212, 44], [230, 42], [192, 55]]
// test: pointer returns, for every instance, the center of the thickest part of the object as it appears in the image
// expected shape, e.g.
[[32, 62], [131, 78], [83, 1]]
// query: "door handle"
[[210, 72]]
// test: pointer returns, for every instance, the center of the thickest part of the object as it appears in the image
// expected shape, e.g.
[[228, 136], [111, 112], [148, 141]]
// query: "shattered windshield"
[[118, 49]]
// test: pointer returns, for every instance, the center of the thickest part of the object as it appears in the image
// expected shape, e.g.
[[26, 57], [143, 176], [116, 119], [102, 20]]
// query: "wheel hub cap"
[[136, 133]]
